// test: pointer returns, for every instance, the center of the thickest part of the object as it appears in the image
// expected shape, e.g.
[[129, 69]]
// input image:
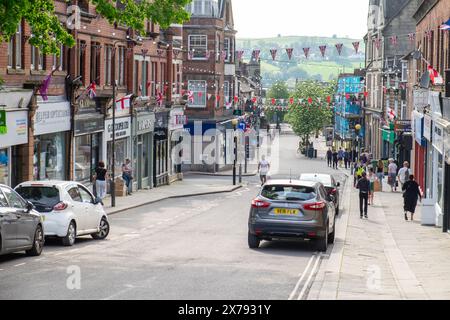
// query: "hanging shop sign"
[[145, 124], [403, 126]]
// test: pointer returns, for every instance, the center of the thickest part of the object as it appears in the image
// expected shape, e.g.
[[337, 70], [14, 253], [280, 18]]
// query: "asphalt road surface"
[[193, 248]]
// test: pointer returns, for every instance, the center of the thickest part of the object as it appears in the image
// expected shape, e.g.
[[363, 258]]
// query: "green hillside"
[[315, 67]]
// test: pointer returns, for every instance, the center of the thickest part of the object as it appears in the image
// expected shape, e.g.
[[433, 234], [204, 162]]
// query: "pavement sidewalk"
[[384, 257], [192, 185]]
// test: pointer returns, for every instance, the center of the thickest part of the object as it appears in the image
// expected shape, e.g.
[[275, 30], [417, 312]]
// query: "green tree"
[[279, 90], [309, 118], [49, 33]]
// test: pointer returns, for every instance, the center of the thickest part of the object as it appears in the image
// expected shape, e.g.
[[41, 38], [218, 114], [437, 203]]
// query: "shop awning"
[[388, 136]]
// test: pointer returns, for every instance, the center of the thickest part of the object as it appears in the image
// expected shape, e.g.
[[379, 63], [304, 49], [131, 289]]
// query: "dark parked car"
[[331, 186], [20, 225], [286, 210]]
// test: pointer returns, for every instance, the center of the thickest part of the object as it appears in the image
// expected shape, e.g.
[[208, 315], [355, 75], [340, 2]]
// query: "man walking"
[[392, 175], [263, 169], [341, 157], [329, 157], [403, 174], [335, 159], [346, 158], [364, 190]]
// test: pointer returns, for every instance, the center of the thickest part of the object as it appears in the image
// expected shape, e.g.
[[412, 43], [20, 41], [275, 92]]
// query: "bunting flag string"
[[273, 52], [289, 52], [356, 46], [323, 50], [339, 47], [306, 51]]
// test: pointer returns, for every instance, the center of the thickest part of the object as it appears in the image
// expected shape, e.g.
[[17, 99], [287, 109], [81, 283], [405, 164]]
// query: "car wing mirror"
[[338, 184], [30, 206]]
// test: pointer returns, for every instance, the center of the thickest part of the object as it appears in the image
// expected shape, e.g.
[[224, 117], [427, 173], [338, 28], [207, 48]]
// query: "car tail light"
[[260, 204], [317, 206], [60, 206]]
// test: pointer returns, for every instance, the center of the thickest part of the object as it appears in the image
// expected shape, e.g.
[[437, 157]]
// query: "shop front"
[[122, 145], [388, 137], [177, 121], [88, 132], [52, 124], [13, 132], [161, 150], [420, 149], [437, 191], [447, 181], [143, 128]]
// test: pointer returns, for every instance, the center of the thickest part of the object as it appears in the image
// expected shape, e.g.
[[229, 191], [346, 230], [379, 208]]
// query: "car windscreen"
[[43, 198], [325, 180], [288, 193]]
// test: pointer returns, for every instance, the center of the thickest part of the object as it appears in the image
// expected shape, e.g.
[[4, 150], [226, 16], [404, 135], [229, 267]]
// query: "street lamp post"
[[357, 131], [234, 122]]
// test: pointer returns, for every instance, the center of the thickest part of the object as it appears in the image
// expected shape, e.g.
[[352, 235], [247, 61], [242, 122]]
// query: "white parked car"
[[69, 209]]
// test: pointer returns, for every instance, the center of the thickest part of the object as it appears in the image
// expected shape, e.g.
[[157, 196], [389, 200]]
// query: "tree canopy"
[[49, 33], [309, 117], [279, 90]]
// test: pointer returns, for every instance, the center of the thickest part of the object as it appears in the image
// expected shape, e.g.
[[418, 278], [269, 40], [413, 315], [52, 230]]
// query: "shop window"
[[49, 157], [15, 50], [198, 90], [4, 166]]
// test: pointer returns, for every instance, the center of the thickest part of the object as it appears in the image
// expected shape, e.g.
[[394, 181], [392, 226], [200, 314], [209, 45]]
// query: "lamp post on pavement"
[[357, 131], [235, 123]]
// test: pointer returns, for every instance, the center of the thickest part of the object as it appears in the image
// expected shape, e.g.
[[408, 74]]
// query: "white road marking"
[[312, 273], [303, 275], [1, 269], [20, 264]]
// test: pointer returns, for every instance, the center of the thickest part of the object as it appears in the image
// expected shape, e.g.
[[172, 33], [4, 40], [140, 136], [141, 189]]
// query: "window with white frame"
[[198, 45], [226, 48], [37, 59], [121, 69], [204, 8], [58, 60], [226, 92], [198, 89], [404, 71], [108, 65], [15, 50]]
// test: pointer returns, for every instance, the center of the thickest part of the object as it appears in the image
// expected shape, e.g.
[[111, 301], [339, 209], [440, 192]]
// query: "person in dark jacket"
[[330, 157], [364, 190], [411, 195], [335, 159]]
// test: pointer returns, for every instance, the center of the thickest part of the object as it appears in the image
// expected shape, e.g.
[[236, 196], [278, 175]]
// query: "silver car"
[[292, 209], [21, 227]]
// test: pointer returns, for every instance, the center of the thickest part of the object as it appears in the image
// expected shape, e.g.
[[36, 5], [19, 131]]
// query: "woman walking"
[[372, 178], [411, 195], [380, 172], [100, 180]]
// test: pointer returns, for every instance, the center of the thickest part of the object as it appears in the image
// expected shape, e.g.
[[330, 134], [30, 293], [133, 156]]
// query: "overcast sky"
[[268, 18]]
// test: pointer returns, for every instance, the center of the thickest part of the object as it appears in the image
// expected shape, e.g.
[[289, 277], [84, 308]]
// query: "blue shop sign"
[[195, 127]]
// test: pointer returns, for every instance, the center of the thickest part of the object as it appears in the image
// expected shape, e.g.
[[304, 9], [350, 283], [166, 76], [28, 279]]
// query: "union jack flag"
[[92, 90], [306, 51], [412, 37], [256, 54], [240, 54], [322, 50], [339, 47], [289, 52], [356, 46], [159, 98], [191, 96], [273, 52], [394, 40]]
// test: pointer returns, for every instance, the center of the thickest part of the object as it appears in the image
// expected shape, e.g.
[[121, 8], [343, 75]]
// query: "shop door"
[[140, 163], [145, 168]]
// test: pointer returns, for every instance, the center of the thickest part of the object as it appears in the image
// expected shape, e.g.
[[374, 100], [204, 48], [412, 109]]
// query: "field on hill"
[[315, 67]]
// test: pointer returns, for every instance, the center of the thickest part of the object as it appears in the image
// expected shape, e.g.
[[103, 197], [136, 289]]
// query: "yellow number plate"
[[287, 212]]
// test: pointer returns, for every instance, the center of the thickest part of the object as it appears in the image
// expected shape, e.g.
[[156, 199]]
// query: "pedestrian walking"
[[411, 195], [263, 169], [330, 157], [392, 175], [335, 159], [101, 174], [127, 175], [380, 172], [346, 158], [372, 177], [364, 190], [341, 157], [359, 170], [403, 174]]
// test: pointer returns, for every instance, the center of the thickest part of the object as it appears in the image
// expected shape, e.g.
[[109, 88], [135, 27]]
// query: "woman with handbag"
[[127, 172]]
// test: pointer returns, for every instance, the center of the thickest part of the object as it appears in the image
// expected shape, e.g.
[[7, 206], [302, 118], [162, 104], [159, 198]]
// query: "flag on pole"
[[435, 77], [123, 103], [92, 90], [43, 89], [446, 25]]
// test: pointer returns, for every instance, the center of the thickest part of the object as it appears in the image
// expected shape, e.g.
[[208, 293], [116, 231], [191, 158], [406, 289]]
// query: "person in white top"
[[263, 169], [403, 174], [392, 171]]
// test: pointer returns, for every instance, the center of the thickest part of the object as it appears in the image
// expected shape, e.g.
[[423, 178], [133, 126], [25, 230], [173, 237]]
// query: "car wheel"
[[332, 235], [104, 230], [38, 243], [322, 243], [69, 239], [253, 241]]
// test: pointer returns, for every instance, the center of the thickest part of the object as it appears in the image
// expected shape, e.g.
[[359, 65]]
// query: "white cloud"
[[266, 18]]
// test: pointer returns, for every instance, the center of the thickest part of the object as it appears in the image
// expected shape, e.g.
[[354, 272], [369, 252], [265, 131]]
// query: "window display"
[[49, 157], [87, 156], [121, 154], [4, 166]]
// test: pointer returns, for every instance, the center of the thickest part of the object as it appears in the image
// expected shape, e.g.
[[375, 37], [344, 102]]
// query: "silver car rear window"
[[288, 193]]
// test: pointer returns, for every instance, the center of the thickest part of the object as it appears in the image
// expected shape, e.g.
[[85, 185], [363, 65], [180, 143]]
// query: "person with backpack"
[[364, 191], [403, 174]]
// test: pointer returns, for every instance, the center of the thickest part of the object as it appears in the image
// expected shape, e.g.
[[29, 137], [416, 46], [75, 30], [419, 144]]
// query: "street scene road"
[[191, 248]]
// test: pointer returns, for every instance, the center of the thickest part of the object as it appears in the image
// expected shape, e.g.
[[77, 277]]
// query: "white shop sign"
[[438, 138], [17, 129], [51, 118], [123, 128]]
